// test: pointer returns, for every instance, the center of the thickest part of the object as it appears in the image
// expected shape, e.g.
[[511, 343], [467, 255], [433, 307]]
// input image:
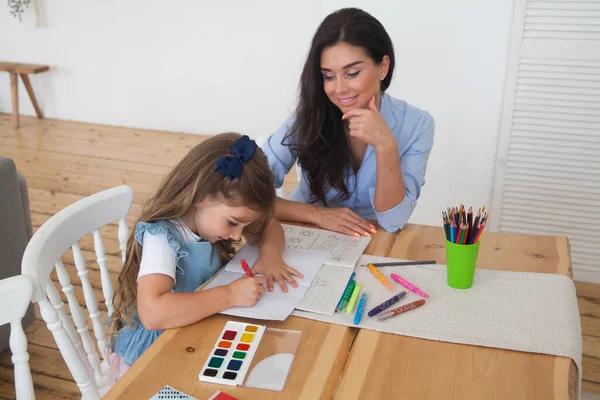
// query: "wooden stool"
[[16, 69]]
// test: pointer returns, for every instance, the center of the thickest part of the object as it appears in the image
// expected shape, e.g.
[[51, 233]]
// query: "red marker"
[[246, 268]]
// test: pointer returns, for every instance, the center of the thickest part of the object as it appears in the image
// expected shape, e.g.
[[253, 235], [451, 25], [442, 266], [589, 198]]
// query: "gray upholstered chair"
[[15, 230]]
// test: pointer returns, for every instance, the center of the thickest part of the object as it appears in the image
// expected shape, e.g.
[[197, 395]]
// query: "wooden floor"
[[65, 161]]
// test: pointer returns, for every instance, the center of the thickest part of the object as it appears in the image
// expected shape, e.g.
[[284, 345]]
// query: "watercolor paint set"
[[251, 355], [230, 359]]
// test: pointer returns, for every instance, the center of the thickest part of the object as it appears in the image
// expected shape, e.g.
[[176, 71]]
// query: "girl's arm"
[[159, 308]]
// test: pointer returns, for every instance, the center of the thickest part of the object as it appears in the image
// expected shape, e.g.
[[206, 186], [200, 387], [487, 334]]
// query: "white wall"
[[207, 67]]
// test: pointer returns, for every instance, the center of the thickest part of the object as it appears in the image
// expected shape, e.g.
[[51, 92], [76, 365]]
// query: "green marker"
[[353, 298], [347, 294]]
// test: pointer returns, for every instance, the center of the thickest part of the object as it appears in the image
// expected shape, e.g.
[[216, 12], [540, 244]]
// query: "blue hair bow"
[[243, 149]]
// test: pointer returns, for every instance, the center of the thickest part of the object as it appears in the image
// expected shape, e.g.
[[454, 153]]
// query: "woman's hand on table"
[[344, 220]]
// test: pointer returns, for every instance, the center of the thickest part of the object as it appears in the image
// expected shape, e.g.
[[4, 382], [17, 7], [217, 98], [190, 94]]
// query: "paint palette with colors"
[[230, 359]]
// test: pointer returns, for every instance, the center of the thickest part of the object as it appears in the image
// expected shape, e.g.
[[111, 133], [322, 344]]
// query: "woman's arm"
[[287, 210], [399, 177], [280, 157], [341, 220], [412, 165], [389, 184]]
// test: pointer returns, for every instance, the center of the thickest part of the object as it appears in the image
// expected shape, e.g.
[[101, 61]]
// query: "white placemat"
[[523, 311]]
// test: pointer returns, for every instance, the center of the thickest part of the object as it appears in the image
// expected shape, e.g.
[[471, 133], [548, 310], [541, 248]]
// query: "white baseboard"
[[584, 275]]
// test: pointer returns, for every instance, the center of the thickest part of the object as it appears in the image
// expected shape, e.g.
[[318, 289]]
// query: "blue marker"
[[359, 310], [337, 308]]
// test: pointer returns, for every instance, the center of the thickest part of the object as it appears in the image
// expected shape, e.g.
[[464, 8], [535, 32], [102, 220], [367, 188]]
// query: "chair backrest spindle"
[[17, 291]]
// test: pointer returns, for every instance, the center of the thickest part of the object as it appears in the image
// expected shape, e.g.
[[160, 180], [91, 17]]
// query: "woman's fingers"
[[357, 223]]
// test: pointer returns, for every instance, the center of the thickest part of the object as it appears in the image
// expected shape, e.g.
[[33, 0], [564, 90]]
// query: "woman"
[[362, 152]]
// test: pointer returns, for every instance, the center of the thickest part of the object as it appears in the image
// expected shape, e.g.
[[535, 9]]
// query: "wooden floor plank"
[[49, 203], [45, 387], [589, 307], [591, 369], [587, 289], [590, 326], [43, 360], [145, 152], [591, 387], [65, 164], [591, 346]]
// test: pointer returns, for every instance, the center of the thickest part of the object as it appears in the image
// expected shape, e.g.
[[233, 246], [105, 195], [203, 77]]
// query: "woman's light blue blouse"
[[413, 130]]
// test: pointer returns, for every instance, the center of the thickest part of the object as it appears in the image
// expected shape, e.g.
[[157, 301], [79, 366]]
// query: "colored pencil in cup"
[[463, 226], [470, 219], [446, 225], [478, 237]]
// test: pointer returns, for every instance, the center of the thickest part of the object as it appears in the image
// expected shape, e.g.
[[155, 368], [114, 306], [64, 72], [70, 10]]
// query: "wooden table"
[[386, 366], [345, 363]]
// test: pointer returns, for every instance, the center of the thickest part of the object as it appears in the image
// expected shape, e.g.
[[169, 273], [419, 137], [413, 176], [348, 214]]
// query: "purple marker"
[[386, 304]]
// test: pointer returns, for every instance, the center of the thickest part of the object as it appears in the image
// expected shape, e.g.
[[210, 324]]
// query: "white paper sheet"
[[307, 262], [326, 290], [307, 249], [275, 305], [344, 250]]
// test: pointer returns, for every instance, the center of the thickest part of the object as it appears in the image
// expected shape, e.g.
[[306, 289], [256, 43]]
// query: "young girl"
[[222, 190]]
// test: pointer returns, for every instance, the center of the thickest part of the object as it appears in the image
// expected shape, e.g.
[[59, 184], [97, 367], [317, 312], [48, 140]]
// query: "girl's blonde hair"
[[192, 179]]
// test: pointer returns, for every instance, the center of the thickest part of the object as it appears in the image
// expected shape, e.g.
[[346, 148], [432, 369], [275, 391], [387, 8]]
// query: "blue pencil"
[[360, 309], [337, 308]]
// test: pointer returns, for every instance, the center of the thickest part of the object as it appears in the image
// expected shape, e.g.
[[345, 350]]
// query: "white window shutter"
[[547, 178]]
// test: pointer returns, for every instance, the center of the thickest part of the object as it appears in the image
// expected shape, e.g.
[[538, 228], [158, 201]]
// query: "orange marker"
[[379, 276]]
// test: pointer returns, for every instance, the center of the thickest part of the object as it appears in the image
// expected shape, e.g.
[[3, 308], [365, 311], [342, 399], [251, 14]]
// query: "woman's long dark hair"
[[318, 136]]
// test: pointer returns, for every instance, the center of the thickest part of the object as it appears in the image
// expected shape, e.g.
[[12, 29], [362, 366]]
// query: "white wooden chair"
[[15, 297], [43, 254]]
